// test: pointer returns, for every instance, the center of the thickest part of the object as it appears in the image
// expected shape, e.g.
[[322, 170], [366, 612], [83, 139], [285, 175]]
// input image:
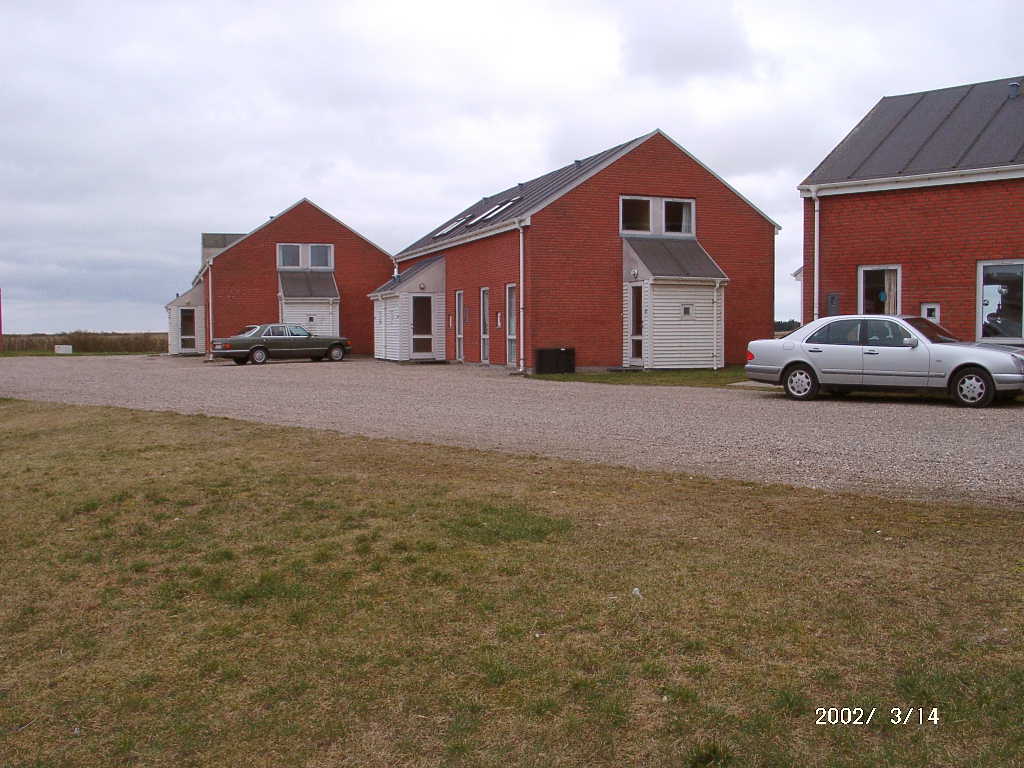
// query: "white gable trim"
[[940, 178]]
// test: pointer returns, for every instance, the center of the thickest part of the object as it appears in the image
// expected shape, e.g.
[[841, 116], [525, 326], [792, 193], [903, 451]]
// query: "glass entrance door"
[[485, 325], [636, 325], [460, 321], [511, 326], [422, 331]]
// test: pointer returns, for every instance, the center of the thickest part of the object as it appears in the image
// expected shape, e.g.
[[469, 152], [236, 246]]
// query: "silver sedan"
[[847, 352]]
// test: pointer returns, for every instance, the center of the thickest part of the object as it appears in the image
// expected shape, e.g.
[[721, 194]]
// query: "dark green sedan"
[[279, 341]]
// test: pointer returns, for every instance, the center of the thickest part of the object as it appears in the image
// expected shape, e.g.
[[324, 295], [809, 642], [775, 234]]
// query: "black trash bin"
[[556, 360]]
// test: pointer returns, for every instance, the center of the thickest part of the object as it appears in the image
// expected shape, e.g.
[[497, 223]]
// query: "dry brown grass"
[[193, 591], [84, 342]]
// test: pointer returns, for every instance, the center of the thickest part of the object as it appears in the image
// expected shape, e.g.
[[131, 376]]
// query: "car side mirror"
[[910, 341]]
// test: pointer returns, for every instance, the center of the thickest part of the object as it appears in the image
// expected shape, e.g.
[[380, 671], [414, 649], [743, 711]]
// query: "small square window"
[[636, 214], [686, 311], [320, 256], [678, 217], [287, 255]]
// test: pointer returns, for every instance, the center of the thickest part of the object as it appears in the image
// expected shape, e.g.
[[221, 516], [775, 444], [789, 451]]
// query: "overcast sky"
[[129, 128]]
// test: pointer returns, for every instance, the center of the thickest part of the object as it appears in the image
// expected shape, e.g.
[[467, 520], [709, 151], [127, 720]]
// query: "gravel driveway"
[[918, 448]]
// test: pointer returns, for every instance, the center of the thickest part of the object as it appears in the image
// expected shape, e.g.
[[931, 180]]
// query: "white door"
[[459, 323], [485, 325]]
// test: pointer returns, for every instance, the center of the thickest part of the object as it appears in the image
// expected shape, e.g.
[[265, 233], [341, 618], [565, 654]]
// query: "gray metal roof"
[[951, 129], [527, 196], [220, 239], [394, 283], [308, 285], [674, 257]]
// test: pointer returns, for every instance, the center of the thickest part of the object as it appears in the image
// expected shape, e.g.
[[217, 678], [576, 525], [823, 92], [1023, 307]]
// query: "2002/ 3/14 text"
[[861, 716]]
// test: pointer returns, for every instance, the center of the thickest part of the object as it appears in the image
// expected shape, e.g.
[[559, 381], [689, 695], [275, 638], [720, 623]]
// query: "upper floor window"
[[656, 215], [305, 256], [636, 214]]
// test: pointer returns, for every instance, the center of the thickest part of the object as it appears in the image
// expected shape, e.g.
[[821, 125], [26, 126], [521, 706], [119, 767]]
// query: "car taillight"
[[750, 355], [225, 346]]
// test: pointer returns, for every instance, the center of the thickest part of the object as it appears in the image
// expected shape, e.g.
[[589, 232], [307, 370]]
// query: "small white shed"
[[186, 322], [408, 314], [673, 296]]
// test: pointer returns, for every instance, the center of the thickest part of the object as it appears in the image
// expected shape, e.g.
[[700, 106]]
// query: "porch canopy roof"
[[308, 285], [675, 257]]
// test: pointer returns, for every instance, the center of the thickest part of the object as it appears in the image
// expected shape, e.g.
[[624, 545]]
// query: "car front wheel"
[[258, 356], [972, 388], [800, 383], [336, 353]]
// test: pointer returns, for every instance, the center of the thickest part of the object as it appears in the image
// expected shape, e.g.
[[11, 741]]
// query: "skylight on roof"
[[493, 211], [451, 227]]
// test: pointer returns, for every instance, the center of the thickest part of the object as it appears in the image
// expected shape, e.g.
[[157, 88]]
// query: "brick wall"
[[937, 234], [574, 256], [573, 292], [245, 276]]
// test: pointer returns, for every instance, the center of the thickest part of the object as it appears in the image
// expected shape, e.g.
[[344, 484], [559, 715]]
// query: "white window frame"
[[485, 323], [862, 268], [195, 329], [412, 327], [460, 322], [511, 325], [309, 256], [685, 316], [642, 336], [650, 215], [693, 216], [925, 305], [282, 266], [979, 319]]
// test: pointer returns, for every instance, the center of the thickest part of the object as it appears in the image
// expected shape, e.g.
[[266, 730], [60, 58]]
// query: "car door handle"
[[870, 351], [814, 349]]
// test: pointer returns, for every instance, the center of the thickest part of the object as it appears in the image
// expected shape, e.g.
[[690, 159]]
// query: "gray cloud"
[[130, 128]]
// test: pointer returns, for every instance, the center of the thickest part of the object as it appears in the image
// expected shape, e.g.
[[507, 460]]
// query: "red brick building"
[[920, 211], [302, 266], [639, 256]]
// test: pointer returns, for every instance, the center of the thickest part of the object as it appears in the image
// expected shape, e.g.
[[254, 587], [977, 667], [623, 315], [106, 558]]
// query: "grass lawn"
[[694, 377], [183, 590]]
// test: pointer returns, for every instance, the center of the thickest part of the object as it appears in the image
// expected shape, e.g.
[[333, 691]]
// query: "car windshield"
[[936, 334]]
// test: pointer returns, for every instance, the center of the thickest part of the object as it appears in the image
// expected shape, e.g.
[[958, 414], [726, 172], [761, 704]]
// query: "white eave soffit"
[[911, 182]]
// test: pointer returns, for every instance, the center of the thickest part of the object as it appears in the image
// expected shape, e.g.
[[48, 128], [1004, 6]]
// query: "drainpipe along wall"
[[817, 249], [522, 301]]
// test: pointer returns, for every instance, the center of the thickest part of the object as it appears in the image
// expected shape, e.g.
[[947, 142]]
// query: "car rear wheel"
[[258, 356], [972, 388], [240, 360], [336, 353], [800, 383]]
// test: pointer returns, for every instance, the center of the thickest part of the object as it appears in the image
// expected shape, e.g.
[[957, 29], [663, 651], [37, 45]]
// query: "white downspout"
[[817, 250], [714, 327], [522, 301], [209, 305]]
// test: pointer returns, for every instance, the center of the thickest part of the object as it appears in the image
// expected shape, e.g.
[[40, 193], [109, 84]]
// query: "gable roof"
[[395, 282], [675, 257], [964, 128], [270, 221], [498, 212]]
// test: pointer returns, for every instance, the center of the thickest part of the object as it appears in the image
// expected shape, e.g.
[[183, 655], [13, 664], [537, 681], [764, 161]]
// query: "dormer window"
[[656, 216], [678, 217], [636, 214], [305, 256]]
